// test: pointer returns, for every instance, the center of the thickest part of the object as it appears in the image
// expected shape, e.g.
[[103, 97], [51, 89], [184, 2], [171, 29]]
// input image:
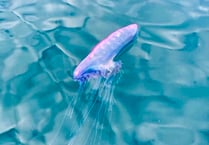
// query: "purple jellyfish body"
[[100, 60]]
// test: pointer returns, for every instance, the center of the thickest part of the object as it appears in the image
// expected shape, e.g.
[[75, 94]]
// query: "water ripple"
[[43, 16]]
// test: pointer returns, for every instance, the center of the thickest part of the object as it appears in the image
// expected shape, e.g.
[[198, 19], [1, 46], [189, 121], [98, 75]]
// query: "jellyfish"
[[100, 70], [97, 75]]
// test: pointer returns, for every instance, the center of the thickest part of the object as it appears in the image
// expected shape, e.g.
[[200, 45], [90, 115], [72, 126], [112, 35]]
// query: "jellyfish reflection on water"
[[97, 75]]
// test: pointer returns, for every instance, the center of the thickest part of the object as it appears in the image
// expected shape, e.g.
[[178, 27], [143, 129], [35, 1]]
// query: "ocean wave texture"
[[161, 98]]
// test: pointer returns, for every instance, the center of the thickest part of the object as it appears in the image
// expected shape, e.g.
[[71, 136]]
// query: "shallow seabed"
[[161, 98]]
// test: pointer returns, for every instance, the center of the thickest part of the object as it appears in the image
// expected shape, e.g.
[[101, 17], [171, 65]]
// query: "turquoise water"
[[161, 97]]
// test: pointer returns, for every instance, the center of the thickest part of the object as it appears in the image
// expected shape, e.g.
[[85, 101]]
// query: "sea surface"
[[160, 98]]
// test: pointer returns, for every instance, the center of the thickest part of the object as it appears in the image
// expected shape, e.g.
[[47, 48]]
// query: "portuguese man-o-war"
[[97, 75]]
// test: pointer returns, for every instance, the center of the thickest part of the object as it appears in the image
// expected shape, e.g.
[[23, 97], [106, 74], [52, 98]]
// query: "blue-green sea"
[[161, 96]]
